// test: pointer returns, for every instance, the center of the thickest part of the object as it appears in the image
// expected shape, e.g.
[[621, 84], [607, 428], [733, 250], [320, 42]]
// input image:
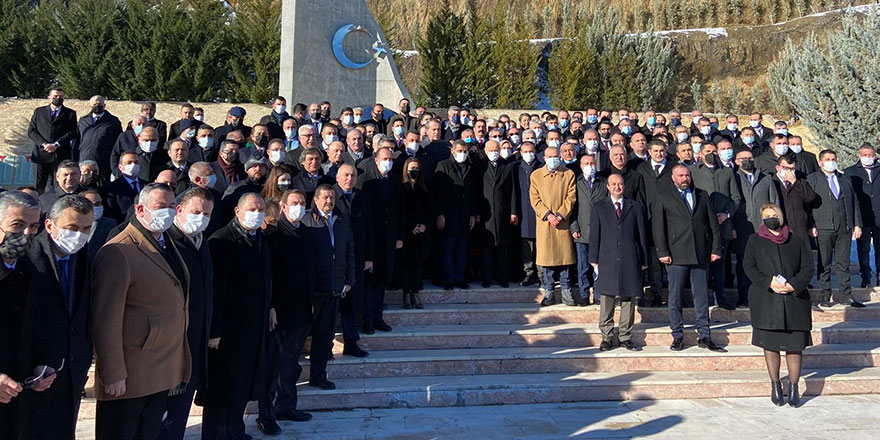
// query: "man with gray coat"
[[590, 189]]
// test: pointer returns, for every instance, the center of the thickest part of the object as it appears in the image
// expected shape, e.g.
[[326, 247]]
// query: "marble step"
[[517, 294], [481, 361], [472, 390], [584, 335], [521, 313]]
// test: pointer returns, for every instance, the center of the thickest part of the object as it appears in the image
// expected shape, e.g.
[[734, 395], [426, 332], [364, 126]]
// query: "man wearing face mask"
[[314, 119], [148, 111], [234, 122], [101, 227], [747, 140], [757, 189], [725, 153], [275, 120], [259, 141], [62, 290], [523, 169], [126, 141], [311, 175], [90, 175], [241, 320], [187, 112], [97, 133], [189, 130], [52, 129], [836, 222], [202, 176], [590, 189], [67, 181], [796, 197], [188, 233], [593, 145], [178, 154], [806, 161], [139, 275], [863, 175], [121, 193], [452, 124], [719, 184], [497, 209], [227, 167], [329, 134], [778, 147], [409, 122], [412, 148], [454, 186], [203, 149]]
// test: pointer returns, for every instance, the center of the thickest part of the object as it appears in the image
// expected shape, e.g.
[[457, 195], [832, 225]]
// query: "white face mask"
[[131, 170], [552, 163], [347, 120], [682, 137], [358, 119], [212, 180], [385, 166], [200, 118], [754, 124], [412, 147], [194, 224], [591, 145], [514, 139], [460, 157], [296, 212], [867, 161], [731, 127], [797, 148], [505, 153], [190, 134], [276, 155], [706, 129], [538, 132], [829, 166], [280, 109], [780, 149], [589, 171], [493, 155], [206, 142], [99, 212], [528, 157], [288, 134], [253, 220], [331, 138], [161, 219], [148, 146], [553, 143], [70, 242]]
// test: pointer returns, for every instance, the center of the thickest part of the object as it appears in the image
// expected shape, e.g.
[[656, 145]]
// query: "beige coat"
[[555, 193], [139, 317]]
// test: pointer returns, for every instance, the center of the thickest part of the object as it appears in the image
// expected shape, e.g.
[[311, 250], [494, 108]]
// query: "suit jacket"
[[622, 245], [805, 163], [43, 129], [222, 131], [125, 142], [867, 192], [161, 129], [587, 196], [100, 234], [360, 211], [142, 306], [293, 274], [653, 184], [119, 197], [724, 195], [796, 202], [335, 257], [17, 310], [95, 139], [528, 221], [754, 195], [174, 128], [688, 237], [633, 182], [497, 201], [822, 215]]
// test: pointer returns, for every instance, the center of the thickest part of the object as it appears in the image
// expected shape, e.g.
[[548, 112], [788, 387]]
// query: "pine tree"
[[257, 46], [697, 94], [757, 98], [208, 63], [716, 94], [24, 54], [655, 68], [440, 54], [735, 97], [477, 85], [782, 77], [516, 65]]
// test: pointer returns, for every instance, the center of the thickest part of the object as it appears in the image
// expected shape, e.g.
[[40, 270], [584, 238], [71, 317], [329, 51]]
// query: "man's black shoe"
[[630, 346], [354, 350], [323, 384], [657, 301], [726, 306], [526, 282], [503, 284], [852, 303], [447, 286], [825, 303], [269, 427], [463, 286], [368, 328], [606, 346], [381, 326], [295, 416], [677, 345], [486, 285], [709, 345]]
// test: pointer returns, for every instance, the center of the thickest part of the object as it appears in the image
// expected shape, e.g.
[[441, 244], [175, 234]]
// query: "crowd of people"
[[192, 262]]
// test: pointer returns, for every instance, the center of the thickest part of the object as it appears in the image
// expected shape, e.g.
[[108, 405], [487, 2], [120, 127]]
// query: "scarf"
[[764, 232]]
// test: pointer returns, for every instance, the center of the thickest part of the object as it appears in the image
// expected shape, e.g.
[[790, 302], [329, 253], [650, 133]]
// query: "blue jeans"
[[562, 272], [585, 274], [678, 275]]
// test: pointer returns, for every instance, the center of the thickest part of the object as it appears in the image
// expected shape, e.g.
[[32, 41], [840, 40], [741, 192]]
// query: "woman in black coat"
[[780, 266], [416, 216]]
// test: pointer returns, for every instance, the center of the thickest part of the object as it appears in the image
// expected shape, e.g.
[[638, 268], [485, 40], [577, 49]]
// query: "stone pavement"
[[849, 417]]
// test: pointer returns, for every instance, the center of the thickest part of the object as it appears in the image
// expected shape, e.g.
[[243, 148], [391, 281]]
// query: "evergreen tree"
[[477, 84], [697, 94], [440, 54], [516, 65], [656, 65], [207, 63], [257, 48], [758, 98], [735, 98], [717, 96]]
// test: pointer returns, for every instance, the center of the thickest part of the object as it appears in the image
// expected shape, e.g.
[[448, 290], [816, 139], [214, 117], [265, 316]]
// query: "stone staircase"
[[498, 346]]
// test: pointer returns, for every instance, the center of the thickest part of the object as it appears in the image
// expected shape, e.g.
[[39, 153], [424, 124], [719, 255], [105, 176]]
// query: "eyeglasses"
[[45, 372]]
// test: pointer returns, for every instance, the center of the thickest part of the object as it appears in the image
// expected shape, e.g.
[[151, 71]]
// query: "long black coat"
[[455, 195], [201, 302], [496, 201], [795, 203], [386, 197], [43, 129], [619, 247], [687, 238], [293, 274], [95, 139], [867, 192], [16, 337], [57, 335], [528, 220], [360, 211], [242, 298], [633, 182], [793, 260]]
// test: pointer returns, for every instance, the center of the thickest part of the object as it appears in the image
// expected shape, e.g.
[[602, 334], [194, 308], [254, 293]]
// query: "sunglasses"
[[45, 372]]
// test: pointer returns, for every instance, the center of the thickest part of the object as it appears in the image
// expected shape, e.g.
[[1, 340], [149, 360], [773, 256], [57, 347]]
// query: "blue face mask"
[[726, 155], [652, 120], [626, 130], [468, 140], [552, 163], [592, 119], [455, 119], [675, 121], [748, 140], [563, 123]]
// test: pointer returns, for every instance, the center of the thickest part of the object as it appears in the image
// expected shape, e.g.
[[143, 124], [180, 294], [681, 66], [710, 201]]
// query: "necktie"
[[686, 203], [786, 184], [64, 280], [832, 182], [751, 178], [134, 186], [617, 209], [161, 241], [349, 196], [656, 170], [54, 114]]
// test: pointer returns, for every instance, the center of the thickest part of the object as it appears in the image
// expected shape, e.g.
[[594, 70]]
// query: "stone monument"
[[335, 51]]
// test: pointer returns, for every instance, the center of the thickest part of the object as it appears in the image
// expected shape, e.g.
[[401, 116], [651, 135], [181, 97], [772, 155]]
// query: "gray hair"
[[299, 130], [198, 169], [11, 199], [88, 163], [150, 187], [79, 204], [97, 98]]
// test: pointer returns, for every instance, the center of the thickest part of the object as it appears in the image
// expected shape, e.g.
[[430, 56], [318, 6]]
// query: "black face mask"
[[261, 140], [773, 224], [316, 115], [231, 157], [57, 102], [326, 114], [748, 165], [15, 245], [89, 179], [414, 174], [405, 109], [97, 109], [711, 159]]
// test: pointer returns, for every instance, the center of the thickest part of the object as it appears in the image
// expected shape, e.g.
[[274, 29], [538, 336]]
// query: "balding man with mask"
[[335, 159], [96, 134]]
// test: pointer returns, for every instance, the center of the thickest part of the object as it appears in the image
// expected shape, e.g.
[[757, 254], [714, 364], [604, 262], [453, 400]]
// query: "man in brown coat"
[[552, 194], [140, 310]]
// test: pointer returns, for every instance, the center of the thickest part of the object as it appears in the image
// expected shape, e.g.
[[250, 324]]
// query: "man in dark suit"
[[227, 168], [617, 234], [120, 194], [524, 167], [96, 135], [293, 284], [102, 226], [497, 209], [385, 189], [192, 218], [312, 175], [656, 174], [836, 221], [748, 140], [67, 178], [409, 122], [331, 234], [52, 130], [590, 189], [777, 146], [274, 120], [762, 133], [234, 122], [633, 183], [186, 114], [128, 140], [357, 205], [863, 176], [805, 161], [148, 111], [63, 287], [241, 320], [687, 239], [731, 130]]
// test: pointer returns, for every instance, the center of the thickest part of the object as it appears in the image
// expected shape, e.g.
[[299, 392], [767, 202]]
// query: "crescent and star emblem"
[[339, 37]]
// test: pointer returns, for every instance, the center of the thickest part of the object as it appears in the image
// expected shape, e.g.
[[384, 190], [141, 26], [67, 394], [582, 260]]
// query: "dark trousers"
[[585, 275], [717, 275], [44, 174], [527, 256], [494, 263], [678, 276], [267, 395], [224, 423], [654, 273], [376, 291], [176, 415], [742, 280], [348, 318], [411, 264], [291, 345], [324, 314], [870, 237], [454, 258], [837, 245], [128, 419]]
